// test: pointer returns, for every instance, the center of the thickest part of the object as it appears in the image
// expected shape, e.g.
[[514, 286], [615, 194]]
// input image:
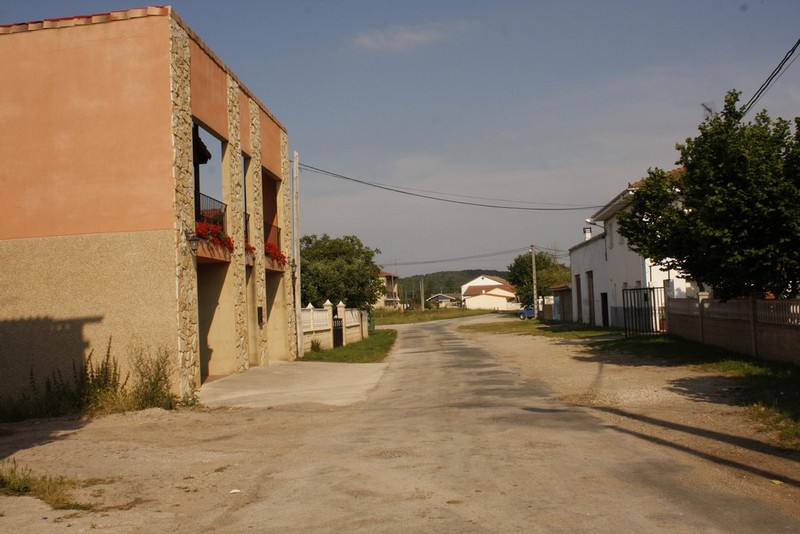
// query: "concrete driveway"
[[279, 383]]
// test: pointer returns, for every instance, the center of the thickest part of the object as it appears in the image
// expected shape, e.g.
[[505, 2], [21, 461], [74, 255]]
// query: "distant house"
[[489, 293], [603, 266], [444, 301], [391, 298]]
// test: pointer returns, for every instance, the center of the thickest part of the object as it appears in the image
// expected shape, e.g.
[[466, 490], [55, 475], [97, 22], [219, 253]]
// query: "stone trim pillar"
[[285, 216], [232, 161], [188, 356], [256, 197]]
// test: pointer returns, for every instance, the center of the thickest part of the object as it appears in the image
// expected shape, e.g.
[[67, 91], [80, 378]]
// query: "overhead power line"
[[475, 257], [406, 191], [771, 79], [556, 252]]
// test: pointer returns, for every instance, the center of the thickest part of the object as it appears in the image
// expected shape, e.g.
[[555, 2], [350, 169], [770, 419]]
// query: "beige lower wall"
[[685, 326], [278, 310], [773, 342], [353, 334], [61, 297], [216, 320], [778, 342]]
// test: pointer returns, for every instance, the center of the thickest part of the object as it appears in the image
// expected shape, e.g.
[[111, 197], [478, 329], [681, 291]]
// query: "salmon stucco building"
[[106, 233]]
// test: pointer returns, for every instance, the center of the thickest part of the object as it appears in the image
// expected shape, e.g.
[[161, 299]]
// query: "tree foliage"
[[549, 273], [339, 269], [730, 216]]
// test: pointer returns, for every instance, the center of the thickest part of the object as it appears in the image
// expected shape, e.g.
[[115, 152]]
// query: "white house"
[[489, 293], [603, 265]]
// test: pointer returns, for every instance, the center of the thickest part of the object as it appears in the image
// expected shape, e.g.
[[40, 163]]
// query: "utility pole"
[[533, 278], [298, 320], [422, 292]]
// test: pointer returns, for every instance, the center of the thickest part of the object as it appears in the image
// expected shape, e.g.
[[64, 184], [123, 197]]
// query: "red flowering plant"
[[249, 248], [275, 254], [214, 233]]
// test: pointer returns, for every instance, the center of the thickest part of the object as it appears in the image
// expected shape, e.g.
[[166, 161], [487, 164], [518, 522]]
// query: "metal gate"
[[644, 311], [338, 332]]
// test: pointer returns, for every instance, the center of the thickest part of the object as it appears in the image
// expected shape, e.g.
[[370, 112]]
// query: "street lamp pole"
[[533, 275]]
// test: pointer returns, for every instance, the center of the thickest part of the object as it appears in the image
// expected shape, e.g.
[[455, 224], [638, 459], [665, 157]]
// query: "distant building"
[[489, 293], [391, 298]]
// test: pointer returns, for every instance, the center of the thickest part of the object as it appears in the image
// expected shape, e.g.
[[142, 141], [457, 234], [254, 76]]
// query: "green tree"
[[729, 218], [339, 269], [549, 273]]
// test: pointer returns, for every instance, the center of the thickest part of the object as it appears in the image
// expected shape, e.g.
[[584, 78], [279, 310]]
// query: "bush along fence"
[[764, 328], [333, 326]]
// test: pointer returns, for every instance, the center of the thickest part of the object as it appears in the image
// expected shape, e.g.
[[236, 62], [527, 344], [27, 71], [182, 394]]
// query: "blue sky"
[[549, 104]]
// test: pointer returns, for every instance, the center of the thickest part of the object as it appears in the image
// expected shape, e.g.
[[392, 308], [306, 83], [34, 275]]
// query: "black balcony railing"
[[212, 211]]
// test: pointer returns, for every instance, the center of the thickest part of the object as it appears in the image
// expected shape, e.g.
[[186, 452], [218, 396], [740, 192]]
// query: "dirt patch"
[[692, 412], [156, 468]]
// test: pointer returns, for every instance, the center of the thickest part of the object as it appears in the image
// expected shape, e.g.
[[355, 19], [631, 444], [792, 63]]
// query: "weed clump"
[[97, 387]]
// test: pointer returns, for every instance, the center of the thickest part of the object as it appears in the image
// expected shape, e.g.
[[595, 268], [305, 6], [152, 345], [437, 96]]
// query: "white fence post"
[[329, 308], [342, 313]]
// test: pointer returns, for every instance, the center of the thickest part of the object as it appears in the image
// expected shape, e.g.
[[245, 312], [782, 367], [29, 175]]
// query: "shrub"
[[98, 388], [152, 387]]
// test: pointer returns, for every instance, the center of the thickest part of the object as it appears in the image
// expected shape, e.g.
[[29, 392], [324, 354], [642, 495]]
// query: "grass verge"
[[388, 317], [371, 350]]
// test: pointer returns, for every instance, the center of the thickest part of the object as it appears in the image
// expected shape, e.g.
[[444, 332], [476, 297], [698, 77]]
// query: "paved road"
[[451, 440]]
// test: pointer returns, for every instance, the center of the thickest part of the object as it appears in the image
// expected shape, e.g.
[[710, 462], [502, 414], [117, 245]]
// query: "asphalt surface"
[[448, 439]]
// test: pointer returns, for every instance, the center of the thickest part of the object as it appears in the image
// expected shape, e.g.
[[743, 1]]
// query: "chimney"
[[587, 233]]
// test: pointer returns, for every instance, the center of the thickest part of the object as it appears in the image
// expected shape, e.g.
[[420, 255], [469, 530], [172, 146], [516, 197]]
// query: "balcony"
[[275, 259], [211, 210]]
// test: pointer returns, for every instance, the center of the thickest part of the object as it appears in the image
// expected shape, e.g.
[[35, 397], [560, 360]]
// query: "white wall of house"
[[615, 267], [589, 280], [495, 300]]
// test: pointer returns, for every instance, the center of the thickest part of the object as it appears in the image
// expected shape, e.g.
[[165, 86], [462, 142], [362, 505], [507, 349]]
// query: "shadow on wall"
[[35, 348]]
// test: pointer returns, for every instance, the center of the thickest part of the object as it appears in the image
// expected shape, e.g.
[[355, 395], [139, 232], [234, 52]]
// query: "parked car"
[[526, 313]]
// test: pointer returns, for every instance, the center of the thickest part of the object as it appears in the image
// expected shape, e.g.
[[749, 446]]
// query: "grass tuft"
[[55, 491]]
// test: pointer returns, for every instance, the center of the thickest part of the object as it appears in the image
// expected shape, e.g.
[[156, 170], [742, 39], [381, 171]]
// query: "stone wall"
[[183, 174], [235, 200], [256, 194], [285, 215]]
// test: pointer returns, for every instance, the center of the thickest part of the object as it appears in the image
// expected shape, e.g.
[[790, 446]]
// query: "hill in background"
[[447, 282]]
